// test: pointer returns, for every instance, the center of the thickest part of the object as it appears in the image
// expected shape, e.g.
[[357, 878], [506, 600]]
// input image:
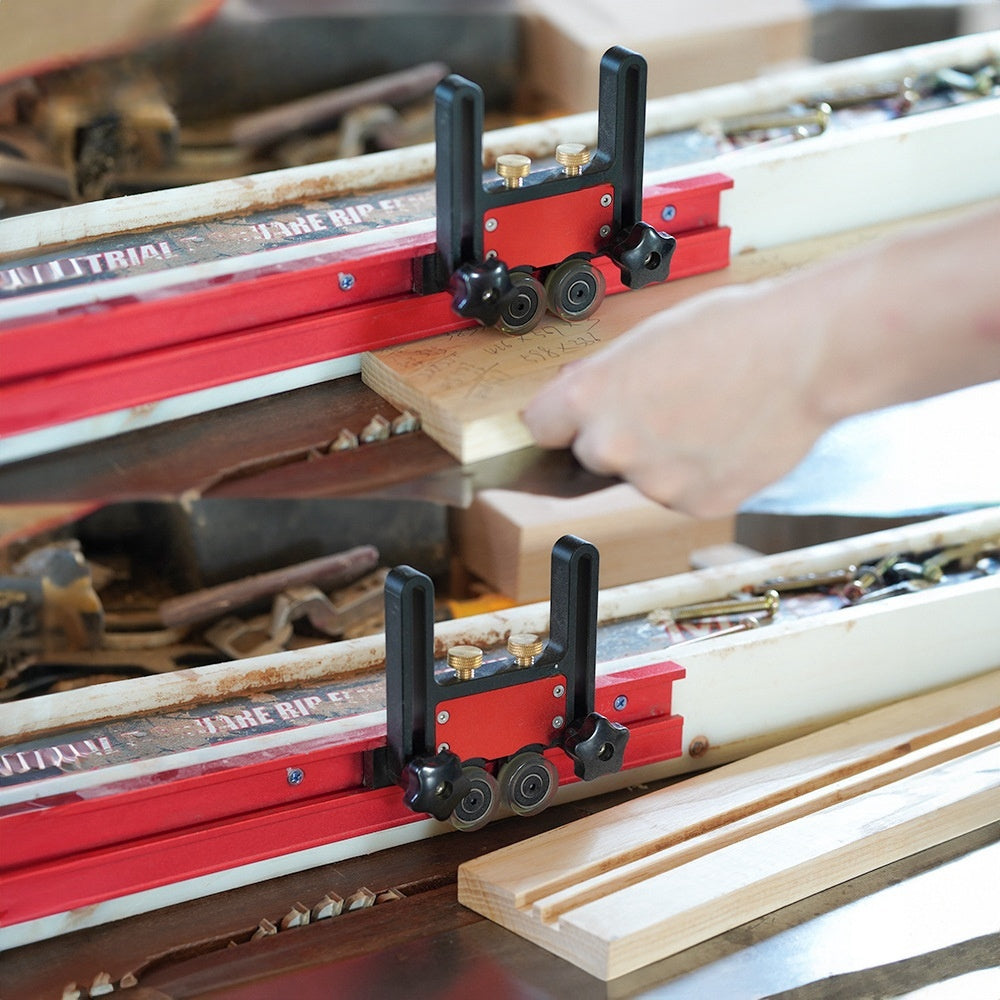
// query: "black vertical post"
[[409, 662], [621, 128], [573, 620], [458, 131]]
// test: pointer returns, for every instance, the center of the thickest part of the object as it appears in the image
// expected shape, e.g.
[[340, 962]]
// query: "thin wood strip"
[[729, 887], [553, 862], [872, 778]]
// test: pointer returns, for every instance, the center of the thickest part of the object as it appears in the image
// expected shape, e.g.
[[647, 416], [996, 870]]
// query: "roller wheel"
[[528, 783], [480, 803], [575, 289], [523, 306]]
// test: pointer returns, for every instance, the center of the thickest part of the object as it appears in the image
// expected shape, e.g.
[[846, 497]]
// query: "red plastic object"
[[115, 355], [73, 850]]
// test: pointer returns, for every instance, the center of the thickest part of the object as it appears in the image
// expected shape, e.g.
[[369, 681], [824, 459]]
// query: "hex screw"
[[465, 661], [295, 775], [606, 200], [490, 225], [605, 232], [558, 722], [558, 691], [442, 717]]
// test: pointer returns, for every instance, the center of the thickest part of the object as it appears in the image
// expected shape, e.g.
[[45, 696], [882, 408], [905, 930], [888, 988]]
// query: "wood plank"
[[470, 386], [687, 45], [648, 879], [505, 537]]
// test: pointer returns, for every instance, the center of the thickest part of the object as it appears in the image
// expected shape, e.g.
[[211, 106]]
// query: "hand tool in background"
[[49, 603]]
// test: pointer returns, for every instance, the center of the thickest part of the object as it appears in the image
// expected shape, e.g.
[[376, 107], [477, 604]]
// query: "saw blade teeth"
[[331, 905], [264, 929], [297, 916], [102, 985], [360, 900]]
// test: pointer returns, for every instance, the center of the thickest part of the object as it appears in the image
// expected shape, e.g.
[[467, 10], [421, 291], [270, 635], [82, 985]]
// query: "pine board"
[[620, 890], [470, 386]]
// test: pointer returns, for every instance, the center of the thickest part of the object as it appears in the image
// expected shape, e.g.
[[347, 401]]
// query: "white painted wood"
[[226, 197], [975, 636], [846, 180]]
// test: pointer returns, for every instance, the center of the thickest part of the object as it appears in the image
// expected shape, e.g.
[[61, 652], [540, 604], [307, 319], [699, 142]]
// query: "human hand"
[[699, 406]]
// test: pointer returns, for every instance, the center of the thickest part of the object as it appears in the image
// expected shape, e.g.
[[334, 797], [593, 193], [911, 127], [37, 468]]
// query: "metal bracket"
[[463, 199], [432, 774]]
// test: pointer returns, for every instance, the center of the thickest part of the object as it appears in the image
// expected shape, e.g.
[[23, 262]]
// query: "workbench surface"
[[915, 925]]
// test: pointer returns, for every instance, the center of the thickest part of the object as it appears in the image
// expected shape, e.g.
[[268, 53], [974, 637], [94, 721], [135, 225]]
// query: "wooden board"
[[505, 538], [615, 892], [687, 45], [470, 386]]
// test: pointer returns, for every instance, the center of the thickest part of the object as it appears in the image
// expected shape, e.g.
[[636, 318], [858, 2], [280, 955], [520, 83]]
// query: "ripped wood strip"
[[724, 847]]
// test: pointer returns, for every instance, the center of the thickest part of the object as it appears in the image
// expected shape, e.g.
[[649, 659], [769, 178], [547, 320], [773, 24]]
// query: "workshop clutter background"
[[98, 99]]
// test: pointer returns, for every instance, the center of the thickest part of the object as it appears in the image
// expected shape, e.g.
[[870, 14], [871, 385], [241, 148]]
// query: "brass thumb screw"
[[524, 647], [572, 157], [465, 660], [513, 168]]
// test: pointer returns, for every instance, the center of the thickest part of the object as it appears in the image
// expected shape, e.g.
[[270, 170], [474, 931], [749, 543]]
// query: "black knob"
[[597, 746], [434, 784], [643, 255], [480, 290]]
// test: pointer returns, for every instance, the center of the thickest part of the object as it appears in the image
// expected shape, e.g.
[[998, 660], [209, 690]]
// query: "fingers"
[[554, 416]]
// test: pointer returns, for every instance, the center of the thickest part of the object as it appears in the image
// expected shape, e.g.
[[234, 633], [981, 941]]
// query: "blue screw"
[[295, 775], [668, 213], [620, 702], [346, 282]]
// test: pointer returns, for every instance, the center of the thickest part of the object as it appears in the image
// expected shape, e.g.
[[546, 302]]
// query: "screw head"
[[606, 200], [443, 717], [524, 647], [605, 232], [572, 156], [465, 661], [513, 168], [620, 702], [669, 211], [558, 722], [558, 691], [345, 281], [295, 775], [490, 225]]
